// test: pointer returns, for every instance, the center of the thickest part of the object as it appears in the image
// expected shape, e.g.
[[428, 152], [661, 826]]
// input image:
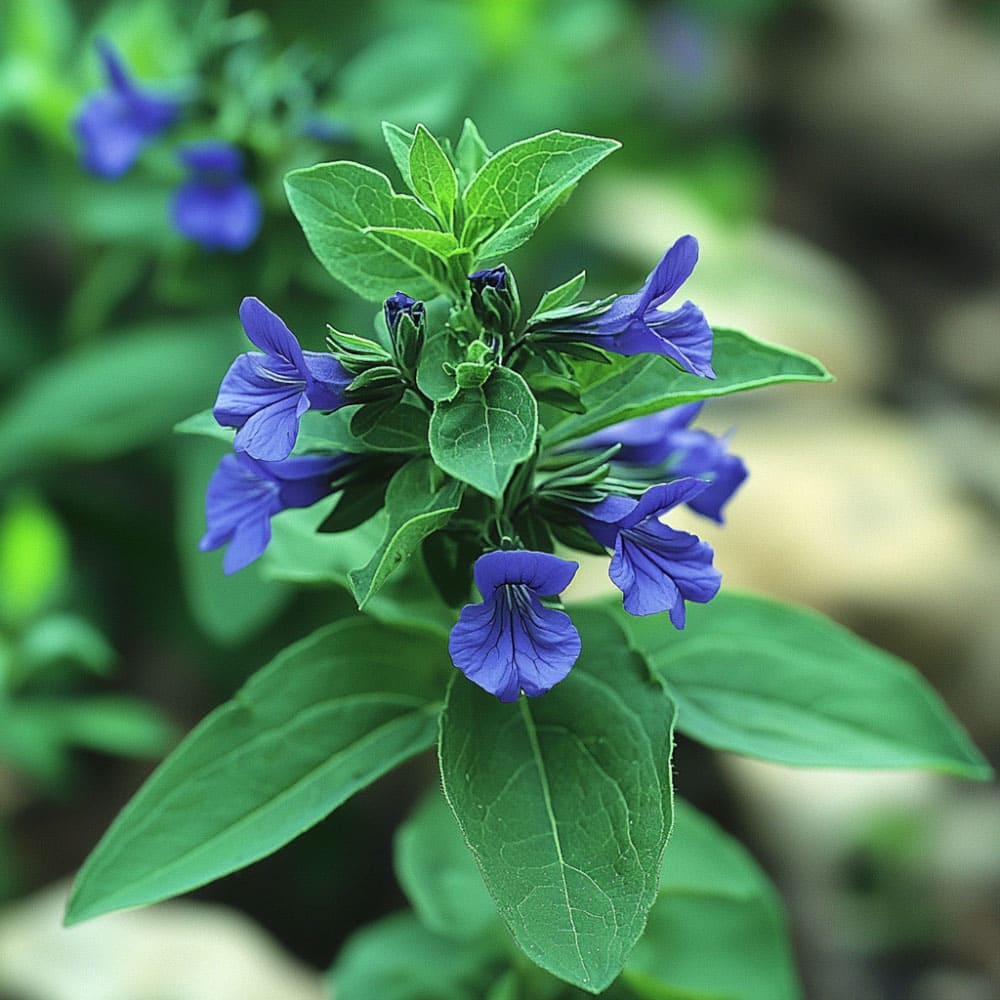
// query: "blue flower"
[[664, 446], [490, 277], [265, 395], [115, 124], [635, 324], [400, 304], [216, 207], [511, 642], [244, 494], [656, 567]]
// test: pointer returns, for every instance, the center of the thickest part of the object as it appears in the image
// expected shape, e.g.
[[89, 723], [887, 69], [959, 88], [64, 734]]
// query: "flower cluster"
[[214, 207], [457, 416]]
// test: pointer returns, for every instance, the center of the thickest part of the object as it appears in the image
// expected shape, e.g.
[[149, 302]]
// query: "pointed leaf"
[[325, 718], [470, 153], [561, 296], [418, 502], [771, 680], [400, 142], [482, 434], [433, 177], [647, 383], [565, 801], [340, 207], [442, 245], [525, 180]]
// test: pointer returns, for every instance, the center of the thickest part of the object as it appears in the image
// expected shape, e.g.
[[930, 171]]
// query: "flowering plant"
[[460, 443]]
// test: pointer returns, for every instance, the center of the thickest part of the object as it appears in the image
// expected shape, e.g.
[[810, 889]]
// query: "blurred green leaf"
[[400, 959], [716, 930], [34, 555], [61, 638], [324, 719], [111, 397], [439, 875]]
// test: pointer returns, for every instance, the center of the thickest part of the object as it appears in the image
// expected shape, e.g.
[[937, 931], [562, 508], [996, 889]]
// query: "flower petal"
[[674, 269], [543, 573], [223, 216], [268, 331], [269, 434], [685, 337]]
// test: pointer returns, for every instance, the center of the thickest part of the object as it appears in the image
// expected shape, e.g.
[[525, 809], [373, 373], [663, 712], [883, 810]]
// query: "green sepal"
[[560, 296], [359, 501], [418, 502]]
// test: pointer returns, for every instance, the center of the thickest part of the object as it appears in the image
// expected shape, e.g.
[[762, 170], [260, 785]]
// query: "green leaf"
[[482, 434], [442, 245], [565, 801], [441, 347], [340, 207], [771, 680], [324, 719], [400, 142], [716, 930], [522, 182], [647, 383], [109, 398], [397, 427], [470, 153], [400, 959], [439, 875], [561, 296], [433, 177], [418, 502]]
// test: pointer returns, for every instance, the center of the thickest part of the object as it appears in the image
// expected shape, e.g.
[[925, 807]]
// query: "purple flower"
[[665, 444], [216, 207], [511, 642], [654, 566], [635, 324], [265, 395], [115, 124], [244, 494], [491, 277], [400, 304]]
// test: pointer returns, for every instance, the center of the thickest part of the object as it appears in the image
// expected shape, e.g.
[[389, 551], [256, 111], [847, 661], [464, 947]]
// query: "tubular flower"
[[265, 395], [115, 124], [510, 642], [664, 444], [244, 494], [216, 207], [635, 324], [656, 567]]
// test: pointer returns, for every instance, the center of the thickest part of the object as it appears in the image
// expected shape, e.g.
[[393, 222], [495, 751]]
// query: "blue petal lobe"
[[268, 331]]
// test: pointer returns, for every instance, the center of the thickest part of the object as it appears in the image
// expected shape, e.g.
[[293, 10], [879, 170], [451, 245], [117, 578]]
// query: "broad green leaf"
[[647, 383], [439, 875], [716, 929], [400, 142], [419, 501], [470, 153], [340, 206], [114, 396], [433, 177], [203, 424], [440, 347], [400, 959], [561, 296], [482, 434], [565, 801], [771, 680], [324, 719], [524, 181]]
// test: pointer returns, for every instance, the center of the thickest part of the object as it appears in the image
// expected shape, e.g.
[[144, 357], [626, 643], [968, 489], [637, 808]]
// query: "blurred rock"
[[172, 951]]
